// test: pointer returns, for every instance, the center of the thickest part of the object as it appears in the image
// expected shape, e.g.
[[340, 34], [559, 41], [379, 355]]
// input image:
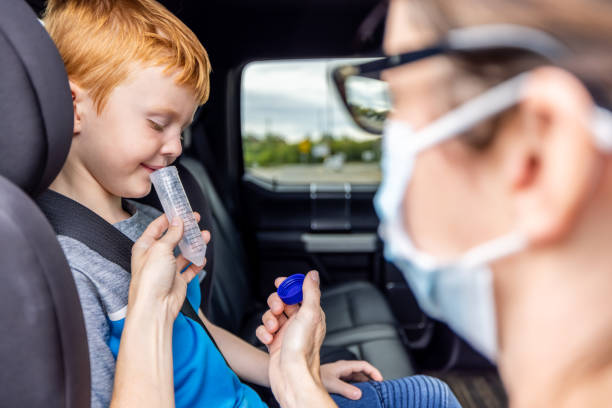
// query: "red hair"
[[99, 40]]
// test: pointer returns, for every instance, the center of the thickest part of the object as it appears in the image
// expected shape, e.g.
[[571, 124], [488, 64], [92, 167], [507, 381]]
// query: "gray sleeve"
[[101, 359]]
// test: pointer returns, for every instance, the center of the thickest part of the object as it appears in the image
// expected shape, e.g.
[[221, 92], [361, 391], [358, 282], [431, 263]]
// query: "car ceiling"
[[235, 31]]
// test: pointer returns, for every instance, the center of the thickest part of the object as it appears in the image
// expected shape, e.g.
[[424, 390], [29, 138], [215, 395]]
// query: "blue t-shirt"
[[201, 376]]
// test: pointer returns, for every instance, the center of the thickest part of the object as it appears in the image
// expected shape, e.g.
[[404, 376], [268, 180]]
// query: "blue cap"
[[290, 291]]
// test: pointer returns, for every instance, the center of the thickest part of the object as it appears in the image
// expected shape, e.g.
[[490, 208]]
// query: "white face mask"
[[458, 292]]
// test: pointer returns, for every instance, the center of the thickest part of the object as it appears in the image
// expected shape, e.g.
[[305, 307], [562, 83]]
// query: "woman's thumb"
[[310, 290], [174, 233]]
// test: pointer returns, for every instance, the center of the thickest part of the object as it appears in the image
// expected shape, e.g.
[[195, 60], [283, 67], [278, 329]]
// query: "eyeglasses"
[[367, 97]]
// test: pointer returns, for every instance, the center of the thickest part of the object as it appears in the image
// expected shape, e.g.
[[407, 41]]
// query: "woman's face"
[[455, 199]]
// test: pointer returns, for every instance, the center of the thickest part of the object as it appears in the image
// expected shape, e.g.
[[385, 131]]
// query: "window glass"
[[295, 129]]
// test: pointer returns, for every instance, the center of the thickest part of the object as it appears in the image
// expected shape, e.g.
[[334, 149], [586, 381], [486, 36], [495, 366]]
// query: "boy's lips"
[[150, 168]]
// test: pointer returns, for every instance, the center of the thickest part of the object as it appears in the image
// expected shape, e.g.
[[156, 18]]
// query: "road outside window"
[[295, 129]]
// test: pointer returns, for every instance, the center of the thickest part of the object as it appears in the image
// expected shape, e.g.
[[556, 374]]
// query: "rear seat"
[[358, 317]]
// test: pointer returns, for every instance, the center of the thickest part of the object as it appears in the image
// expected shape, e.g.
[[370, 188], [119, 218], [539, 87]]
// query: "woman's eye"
[[156, 126]]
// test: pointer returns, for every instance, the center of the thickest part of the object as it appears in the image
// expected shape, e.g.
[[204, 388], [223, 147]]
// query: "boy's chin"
[[139, 191]]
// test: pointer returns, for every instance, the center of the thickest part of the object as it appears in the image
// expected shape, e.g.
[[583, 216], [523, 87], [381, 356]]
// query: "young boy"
[[137, 75]]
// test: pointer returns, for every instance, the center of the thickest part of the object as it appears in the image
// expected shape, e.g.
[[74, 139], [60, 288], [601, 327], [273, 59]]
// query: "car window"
[[295, 129]]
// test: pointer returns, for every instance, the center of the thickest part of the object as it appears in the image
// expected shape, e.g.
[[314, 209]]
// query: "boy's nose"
[[172, 147]]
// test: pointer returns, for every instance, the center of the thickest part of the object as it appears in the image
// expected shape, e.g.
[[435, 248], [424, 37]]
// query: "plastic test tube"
[[174, 201]]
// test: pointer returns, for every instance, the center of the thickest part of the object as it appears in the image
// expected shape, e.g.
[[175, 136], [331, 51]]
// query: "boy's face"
[[138, 131]]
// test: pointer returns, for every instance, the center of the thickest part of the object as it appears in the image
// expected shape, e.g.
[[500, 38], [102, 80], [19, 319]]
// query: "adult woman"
[[497, 184]]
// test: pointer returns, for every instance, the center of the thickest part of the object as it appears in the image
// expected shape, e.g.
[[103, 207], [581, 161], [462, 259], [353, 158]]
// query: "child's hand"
[[157, 280], [336, 377]]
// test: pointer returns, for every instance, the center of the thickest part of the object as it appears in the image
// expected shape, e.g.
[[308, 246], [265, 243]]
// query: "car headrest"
[[43, 346], [35, 101]]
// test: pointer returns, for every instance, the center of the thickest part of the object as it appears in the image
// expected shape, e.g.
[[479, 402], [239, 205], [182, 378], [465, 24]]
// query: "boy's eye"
[[156, 126]]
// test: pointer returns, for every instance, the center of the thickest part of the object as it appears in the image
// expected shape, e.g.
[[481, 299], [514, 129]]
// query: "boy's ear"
[[78, 100], [554, 165]]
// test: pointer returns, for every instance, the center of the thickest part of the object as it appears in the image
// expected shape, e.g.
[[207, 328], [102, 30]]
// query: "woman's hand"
[[333, 375], [156, 273], [144, 374], [294, 346]]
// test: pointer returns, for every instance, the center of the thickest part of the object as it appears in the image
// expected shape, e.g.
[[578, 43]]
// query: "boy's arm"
[[250, 363]]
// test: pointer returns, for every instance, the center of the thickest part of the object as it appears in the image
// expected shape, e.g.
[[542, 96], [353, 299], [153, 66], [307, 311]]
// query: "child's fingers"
[[337, 386], [357, 377], [263, 335], [354, 367]]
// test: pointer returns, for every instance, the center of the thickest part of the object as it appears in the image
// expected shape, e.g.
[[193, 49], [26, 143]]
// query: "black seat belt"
[[71, 219]]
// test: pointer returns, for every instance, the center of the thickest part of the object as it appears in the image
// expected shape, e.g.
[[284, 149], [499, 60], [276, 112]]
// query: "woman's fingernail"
[[314, 275], [175, 221]]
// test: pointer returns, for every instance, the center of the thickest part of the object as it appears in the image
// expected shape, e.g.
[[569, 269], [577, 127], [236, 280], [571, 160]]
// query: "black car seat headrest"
[[35, 102], [43, 343]]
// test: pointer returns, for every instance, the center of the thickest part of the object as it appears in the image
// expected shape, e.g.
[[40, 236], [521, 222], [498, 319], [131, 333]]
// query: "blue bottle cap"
[[290, 291]]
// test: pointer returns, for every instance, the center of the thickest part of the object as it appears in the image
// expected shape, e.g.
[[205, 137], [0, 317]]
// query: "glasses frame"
[[478, 39]]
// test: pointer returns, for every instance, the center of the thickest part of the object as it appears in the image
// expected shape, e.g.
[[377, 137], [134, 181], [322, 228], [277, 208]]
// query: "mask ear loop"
[[461, 119], [601, 126]]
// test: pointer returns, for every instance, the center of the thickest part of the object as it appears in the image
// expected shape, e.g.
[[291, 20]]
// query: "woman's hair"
[[100, 40], [582, 25]]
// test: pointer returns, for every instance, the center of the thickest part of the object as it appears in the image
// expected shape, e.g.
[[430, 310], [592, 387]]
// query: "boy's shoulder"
[[146, 209], [98, 280]]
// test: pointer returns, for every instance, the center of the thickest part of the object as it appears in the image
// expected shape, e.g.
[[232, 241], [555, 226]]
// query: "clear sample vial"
[[174, 201]]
